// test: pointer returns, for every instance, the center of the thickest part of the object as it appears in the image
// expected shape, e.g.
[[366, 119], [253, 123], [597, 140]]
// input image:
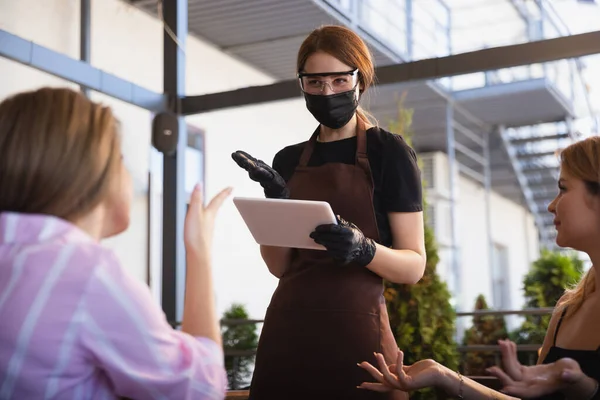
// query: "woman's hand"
[[273, 184], [422, 374], [543, 379], [345, 242], [200, 221], [532, 381], [510, 361]]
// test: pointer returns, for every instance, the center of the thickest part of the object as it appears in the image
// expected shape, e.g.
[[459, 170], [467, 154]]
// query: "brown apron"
[[324, 318]]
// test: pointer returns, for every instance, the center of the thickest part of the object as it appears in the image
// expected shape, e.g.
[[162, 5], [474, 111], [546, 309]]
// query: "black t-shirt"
[[396, 174]]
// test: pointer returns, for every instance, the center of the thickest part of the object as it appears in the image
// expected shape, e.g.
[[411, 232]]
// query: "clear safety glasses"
[[337, 82]]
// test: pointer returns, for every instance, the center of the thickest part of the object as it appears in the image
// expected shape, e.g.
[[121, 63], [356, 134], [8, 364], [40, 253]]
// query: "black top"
[[589, 360], [396, 174]]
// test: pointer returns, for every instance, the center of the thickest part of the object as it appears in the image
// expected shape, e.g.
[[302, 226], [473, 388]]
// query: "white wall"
[[511, 226]]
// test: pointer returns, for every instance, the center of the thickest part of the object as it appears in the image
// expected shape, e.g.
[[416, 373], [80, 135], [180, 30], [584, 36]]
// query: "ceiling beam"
[[458, 64]]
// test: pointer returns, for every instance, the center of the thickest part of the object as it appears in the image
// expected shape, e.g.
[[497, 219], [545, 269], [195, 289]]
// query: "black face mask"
[[333, 111]]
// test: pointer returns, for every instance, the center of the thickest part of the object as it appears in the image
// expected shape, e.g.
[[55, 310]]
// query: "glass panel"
[[386, 20], [194, 173], [501, 300], [342, 5], [430, 29]]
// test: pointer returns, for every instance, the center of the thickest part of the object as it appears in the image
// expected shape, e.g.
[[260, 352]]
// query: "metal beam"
[[458, 64], [471, 154], [240, 97], [522, 10], [49, 61], [503, 180], [408, 10], [174, 201], [531, 139], [487, 185], [85, 35], [468, 133], [452, 176], [539, 168], [471, 173], [525, 155], [541, 183]]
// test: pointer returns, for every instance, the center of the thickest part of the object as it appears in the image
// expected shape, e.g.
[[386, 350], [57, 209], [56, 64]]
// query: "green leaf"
[[544, 284], [238, 337]]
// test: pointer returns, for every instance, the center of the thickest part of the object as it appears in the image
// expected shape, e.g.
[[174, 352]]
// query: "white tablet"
[[284, 223]]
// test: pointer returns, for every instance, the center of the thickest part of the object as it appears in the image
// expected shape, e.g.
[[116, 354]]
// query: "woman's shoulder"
[[389, 143], [292, 148], [289, 155], [385, 137], [41, 238], [87, 259]]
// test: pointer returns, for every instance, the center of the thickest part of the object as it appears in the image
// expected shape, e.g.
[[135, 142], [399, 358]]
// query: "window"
[[194, 158], [430, 217], [427, 171], [500, 277], [194, 173]]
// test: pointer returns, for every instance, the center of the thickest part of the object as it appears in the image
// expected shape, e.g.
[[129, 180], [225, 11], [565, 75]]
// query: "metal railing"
[[531, 349], [410, 30]]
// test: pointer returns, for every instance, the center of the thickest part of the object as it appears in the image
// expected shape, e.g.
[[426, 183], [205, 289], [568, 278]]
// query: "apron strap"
[[361, 139], [308, 148], [362, 158]]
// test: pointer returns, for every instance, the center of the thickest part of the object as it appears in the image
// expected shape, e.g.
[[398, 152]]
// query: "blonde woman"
[[73, 323], [569, 362]]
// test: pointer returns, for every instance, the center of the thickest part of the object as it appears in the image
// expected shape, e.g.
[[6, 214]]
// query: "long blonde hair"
[[345, 45], [59, 153], [582, 161]]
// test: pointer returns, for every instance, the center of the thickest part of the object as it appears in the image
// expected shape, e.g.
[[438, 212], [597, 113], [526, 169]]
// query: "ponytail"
[[366, 118]]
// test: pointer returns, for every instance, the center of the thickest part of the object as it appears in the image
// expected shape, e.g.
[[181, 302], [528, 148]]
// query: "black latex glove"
[[345, 242], [273, 184]]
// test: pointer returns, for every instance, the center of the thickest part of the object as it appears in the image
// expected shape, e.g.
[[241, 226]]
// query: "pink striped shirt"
[[75, 325]]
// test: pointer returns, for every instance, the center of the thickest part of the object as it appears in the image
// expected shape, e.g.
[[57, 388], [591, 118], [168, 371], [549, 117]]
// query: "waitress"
[[328, 311]]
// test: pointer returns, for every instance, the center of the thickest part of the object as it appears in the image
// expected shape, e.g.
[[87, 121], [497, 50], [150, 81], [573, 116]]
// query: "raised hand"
[[510, 361], [200, 220], [345, 242], [273, 184]]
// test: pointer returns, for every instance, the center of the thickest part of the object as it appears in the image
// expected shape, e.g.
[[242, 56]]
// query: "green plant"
[[544, 284], [238, 338], [486, 330], [421, 316]]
